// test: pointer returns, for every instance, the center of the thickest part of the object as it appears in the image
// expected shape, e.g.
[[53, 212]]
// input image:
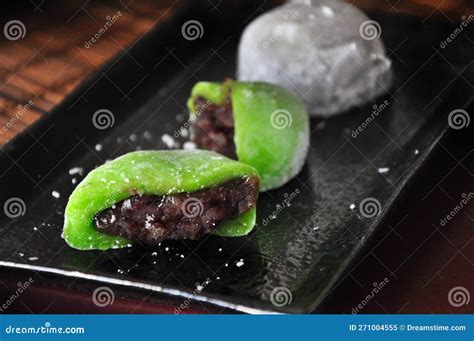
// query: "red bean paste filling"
[[213, 128], [151, 219]]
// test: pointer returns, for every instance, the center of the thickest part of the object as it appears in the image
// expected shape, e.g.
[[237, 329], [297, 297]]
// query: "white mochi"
[[327, 52]]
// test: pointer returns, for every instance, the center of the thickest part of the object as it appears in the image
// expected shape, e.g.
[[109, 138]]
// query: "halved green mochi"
[[271, 127], [148, 173]]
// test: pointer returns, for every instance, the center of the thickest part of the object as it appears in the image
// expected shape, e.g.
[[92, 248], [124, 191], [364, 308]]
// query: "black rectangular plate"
[[307, 233]]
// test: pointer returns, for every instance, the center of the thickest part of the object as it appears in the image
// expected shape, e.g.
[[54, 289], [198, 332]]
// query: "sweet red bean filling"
[[213, 128], [151, 219]]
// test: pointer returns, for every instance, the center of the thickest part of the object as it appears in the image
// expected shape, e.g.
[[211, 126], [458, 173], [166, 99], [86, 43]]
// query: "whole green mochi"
[[148, 173], [271, 126]]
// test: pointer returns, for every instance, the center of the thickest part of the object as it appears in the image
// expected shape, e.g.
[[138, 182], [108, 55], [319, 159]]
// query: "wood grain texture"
[[55, 56]]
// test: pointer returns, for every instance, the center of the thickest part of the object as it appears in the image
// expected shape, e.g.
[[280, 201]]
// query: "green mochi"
[[148, 173], [271, 127]]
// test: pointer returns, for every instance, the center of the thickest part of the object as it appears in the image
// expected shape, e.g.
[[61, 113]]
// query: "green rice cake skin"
[[271, 127], [148, 173]]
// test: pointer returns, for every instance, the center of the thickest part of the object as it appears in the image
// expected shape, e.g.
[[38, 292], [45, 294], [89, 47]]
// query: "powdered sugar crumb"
[[76, 170]]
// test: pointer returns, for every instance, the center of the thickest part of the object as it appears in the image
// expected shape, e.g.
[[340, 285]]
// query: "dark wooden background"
[[423, 262], [51, 59]]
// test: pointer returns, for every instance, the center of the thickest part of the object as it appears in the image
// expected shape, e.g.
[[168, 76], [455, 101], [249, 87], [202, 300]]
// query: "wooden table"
[[422, 260]]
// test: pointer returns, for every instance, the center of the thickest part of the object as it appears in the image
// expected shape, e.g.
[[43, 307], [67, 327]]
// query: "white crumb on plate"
[[417, 152], [33, 258], [383, 170], [168, 140], [352, 206], [240, 263], [76, 170], [127, 204], [133, 137], [55, 194], [74, 181], [189, 145]]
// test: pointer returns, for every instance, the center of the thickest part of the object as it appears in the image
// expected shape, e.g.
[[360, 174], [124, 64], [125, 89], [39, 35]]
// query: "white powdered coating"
[[314, 49]]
